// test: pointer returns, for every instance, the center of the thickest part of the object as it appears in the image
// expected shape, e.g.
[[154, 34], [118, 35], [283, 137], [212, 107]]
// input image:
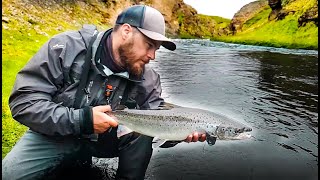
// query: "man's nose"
[[152, 54]]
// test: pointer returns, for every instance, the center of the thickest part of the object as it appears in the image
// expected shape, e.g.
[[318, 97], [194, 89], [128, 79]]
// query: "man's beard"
[[127, 58]]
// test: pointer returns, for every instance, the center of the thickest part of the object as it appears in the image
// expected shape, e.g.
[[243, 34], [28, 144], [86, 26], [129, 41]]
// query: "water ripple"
[[274, 90]]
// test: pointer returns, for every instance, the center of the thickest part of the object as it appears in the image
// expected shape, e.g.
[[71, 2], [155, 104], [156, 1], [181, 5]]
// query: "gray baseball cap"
[[149, 21]]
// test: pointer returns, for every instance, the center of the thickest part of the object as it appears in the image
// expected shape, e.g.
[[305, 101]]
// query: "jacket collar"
[[96, 52]]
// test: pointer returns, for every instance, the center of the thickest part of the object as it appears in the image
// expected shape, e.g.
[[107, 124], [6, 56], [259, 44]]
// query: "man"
[[69, 124]]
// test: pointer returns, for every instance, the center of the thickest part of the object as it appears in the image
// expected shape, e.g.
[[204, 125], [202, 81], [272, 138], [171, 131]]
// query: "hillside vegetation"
[[25, 27], [203, 26], [278, 33]]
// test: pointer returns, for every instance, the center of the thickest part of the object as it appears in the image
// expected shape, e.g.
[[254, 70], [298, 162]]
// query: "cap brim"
[[167, 43]]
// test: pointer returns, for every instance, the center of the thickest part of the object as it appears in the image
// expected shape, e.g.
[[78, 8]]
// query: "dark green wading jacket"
[[44, 91]]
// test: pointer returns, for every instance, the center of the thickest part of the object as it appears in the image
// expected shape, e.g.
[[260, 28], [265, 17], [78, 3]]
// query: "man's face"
[[137, 51]]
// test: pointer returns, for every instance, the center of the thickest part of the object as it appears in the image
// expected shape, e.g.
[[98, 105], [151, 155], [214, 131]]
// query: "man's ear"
[[126, 31]]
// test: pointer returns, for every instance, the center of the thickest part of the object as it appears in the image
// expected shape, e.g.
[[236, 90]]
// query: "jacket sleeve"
[[149, 90], [31, 100]]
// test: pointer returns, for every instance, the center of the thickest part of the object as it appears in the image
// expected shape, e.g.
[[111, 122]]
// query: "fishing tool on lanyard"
[[108, 92]]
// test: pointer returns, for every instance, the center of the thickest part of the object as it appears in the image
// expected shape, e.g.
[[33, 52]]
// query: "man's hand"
[[101, 120], [195, 137]]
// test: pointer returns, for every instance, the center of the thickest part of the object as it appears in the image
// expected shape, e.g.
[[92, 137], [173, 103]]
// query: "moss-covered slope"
[[285, 30]]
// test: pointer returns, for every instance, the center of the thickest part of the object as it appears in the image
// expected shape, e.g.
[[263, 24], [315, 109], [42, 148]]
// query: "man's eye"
[[150, 45]]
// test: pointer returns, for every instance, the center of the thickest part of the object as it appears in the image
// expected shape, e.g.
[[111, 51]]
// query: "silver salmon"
[[177, 123]]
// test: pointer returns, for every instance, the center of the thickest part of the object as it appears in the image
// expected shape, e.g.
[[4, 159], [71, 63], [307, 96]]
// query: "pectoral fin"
[[211, 140], [123, 130], [156, 142]]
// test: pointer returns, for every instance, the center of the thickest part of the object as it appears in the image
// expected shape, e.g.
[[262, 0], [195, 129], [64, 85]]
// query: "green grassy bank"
[[284, 33], [23, 33], [258, 30]]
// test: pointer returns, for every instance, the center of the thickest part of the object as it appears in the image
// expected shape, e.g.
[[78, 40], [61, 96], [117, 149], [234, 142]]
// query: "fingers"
[[107, 115], [195, 137], [202, 138], [111, 121], [101, 120], [104, 108], [188, 139]]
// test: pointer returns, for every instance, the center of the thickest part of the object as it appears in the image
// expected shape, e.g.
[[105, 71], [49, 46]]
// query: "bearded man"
[[65, 92]]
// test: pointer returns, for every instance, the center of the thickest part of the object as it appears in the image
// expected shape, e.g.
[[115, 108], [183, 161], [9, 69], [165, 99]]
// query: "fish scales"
[[178, 123], [161, 126]]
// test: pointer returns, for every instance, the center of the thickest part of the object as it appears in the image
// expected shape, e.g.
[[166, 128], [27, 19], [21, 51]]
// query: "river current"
[[273, 90]]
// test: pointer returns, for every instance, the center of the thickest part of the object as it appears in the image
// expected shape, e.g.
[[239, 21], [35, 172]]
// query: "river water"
[[273, 90]]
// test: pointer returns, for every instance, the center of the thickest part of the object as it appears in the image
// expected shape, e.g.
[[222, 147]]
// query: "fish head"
[[233, 133]]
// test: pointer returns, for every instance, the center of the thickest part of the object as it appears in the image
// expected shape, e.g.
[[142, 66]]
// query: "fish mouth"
[[243, 133], [244, 129], [242, 136]]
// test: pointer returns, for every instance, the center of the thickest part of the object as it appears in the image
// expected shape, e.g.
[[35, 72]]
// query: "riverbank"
[[284, 33], [254, 25], [25, 28]]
